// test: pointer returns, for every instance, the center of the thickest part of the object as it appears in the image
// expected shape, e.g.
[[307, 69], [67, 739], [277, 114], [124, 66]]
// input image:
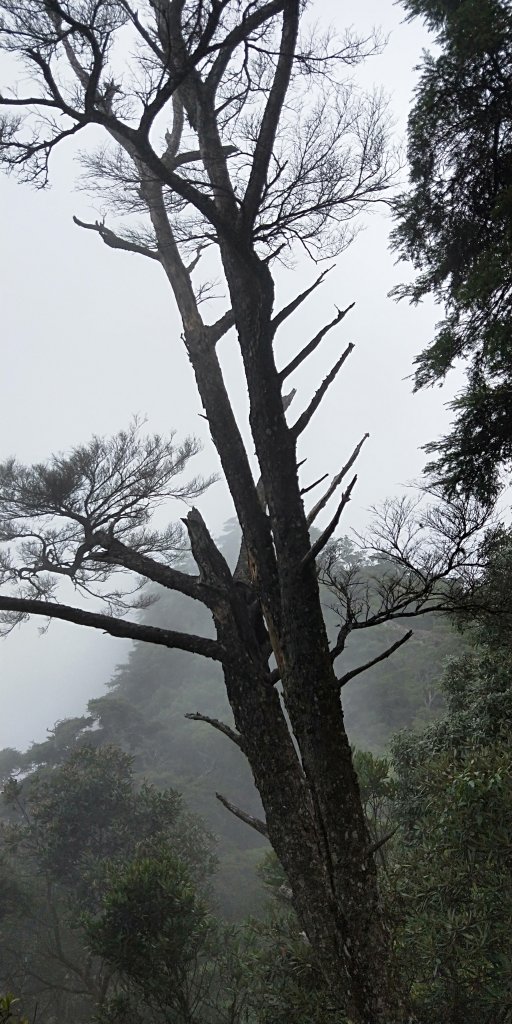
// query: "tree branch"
[[165, 575], [181, 186], [310, 487], [308, 413], [272, 115], [217, 330], [314, 343], [297, 301], [212, 389], [382, 841], [27, 101], [324, 537], [116, 627], [249, 819], [335, 482], [343, 680], [115, 241], [239, 35], [226, 730]]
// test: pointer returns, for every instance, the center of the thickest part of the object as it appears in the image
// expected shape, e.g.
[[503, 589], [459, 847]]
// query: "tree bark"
[[310, 795]]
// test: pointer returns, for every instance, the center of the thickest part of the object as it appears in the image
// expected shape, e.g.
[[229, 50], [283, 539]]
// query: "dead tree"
[[233, 130]]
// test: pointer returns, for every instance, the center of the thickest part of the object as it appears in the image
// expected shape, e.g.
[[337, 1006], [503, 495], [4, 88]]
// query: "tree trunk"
[[310, 797]]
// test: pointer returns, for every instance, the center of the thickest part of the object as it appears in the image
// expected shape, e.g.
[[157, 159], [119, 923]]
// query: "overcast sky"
[[91, 336]]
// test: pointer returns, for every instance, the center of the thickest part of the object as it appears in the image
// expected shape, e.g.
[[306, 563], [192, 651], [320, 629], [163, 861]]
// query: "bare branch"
[[115, 627], [305, 490], [313, 344], [172, 579], [249, 819], [209, 378], [308, 413], [335, 482], [226, 730], [297, 301], [115, 241], [249, 23], [271, 117], [382, 842], [324, 537], [343, 680], [27, 101]]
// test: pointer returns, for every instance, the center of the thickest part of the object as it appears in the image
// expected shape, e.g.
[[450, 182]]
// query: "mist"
[[91, 337]]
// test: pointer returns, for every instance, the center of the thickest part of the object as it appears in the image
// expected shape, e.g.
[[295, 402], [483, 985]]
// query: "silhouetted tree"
[[231, 129]]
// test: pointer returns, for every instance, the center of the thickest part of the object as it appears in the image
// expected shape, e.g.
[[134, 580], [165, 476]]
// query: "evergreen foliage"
[[454, 224]]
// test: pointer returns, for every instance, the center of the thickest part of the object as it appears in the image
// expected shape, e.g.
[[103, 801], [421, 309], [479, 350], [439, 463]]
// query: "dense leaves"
[[69, 837], [454, 224], [451, 877]]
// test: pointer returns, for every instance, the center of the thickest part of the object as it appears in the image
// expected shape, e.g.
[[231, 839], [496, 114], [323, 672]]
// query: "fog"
[[91, 337]]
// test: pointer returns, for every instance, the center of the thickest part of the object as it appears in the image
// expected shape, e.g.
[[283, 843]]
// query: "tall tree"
[[454, 224], [230, 129]]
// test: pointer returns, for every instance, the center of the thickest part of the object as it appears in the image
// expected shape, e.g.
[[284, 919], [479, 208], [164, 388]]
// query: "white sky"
[[91, 336]]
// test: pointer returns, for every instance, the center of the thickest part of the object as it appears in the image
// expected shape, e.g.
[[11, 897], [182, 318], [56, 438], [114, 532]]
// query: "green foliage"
[[9, 1011], [454, 878], [74, 835], [454, 224], [267, 974], [284, 981], [154, 928], [89, 810], [378, 793], [450, 883]]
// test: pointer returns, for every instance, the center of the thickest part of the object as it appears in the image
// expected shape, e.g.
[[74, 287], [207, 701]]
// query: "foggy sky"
[[91, 336]]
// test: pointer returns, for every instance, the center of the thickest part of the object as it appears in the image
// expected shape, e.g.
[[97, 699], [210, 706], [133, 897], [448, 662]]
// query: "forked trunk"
[[311, 799]]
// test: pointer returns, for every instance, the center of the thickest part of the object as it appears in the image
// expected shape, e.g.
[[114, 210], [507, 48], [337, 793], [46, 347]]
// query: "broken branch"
[[249, 819], [343, 680], [382, 842], [335, 482], [308, 413], [297, 301], [313, 344], [115, 241], [305, 490], [217, 724], [320, 543]]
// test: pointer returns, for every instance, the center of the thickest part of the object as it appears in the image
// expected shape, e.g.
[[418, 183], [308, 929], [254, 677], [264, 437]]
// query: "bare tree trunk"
[[311, 797]]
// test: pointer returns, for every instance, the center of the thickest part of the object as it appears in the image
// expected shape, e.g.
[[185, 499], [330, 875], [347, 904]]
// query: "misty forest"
[[291, 803]]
